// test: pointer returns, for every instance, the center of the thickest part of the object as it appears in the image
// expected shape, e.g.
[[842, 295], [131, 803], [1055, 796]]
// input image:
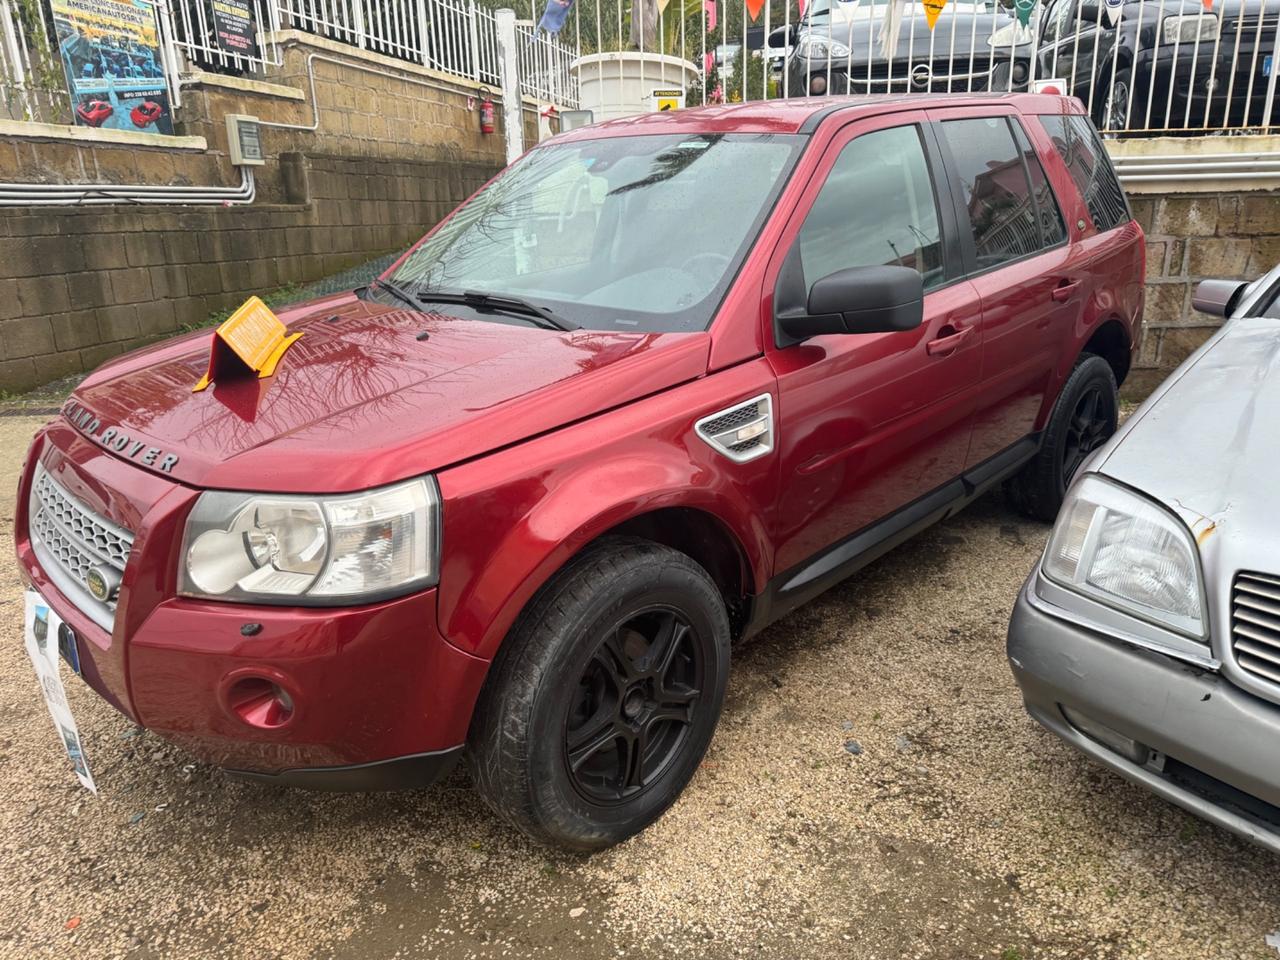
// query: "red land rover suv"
[[652, 387]]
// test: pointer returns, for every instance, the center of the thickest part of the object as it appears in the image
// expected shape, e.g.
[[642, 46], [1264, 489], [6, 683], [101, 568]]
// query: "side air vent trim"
[[741, 432]]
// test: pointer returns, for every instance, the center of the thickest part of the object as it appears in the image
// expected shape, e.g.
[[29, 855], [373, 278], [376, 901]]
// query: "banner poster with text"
[[110, 50], [233, 26]]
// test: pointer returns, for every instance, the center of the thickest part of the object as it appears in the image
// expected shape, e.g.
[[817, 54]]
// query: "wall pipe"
[[1262, 166], [97, 194], [352, 65]]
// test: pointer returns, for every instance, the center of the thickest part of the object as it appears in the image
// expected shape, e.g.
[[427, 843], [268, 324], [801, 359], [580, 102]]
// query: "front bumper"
[[1219, 746], [377, 697]]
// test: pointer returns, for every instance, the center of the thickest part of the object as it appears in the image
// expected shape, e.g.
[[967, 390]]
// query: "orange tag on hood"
[[250, 341], [933, 10]]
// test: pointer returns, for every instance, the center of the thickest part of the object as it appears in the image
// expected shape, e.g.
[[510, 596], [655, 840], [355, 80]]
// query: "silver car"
[[1148, 637]]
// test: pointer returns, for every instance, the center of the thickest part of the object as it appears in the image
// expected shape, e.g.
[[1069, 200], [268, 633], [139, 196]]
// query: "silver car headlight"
[[274, 548], [1189, 28], [1125, 550], [814, 47]]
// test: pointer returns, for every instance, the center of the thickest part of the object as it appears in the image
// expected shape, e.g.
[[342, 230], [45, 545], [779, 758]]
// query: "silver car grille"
[[69, 539], [1255, 624]]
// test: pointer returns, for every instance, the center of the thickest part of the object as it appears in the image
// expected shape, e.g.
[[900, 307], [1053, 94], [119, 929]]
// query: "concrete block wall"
[[1193, 237]]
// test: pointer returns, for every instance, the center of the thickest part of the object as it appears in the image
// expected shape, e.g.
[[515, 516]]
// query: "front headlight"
[[312, 550], [1189, 28], [1124, 550], [814, 47]]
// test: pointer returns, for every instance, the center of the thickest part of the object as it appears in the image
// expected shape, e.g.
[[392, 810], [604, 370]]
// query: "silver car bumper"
[[1217, 748]]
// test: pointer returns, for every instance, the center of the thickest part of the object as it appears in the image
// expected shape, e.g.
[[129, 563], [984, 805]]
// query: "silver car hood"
[[1205, 445]]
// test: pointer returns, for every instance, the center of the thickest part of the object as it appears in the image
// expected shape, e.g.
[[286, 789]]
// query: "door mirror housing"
[[782, 37], [881, 299], [1217, 298]]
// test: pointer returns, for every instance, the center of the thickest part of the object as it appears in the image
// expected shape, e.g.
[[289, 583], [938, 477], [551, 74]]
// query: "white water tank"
[[622, 84]]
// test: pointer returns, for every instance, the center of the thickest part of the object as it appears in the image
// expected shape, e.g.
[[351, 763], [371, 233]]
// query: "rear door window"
[[994, 190], [1090, 167], [1052, 229], [876, 208]]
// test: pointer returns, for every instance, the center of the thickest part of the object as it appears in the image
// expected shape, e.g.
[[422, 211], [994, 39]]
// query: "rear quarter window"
[[1090, 167]]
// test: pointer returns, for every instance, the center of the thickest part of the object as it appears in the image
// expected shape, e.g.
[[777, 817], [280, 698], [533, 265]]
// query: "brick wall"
[[1192, 237], [387, 161]]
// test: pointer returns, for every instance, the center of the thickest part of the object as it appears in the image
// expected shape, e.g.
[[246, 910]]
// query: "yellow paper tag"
[[254, 335], [933, 10], [253, 332]]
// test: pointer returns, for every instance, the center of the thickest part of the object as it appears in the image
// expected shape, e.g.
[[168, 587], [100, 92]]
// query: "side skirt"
[[797, 586]]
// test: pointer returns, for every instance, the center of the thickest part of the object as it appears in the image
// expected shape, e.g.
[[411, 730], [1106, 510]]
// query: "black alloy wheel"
[[604, 697], [1084, 417], [1090, 425], [634, 706]]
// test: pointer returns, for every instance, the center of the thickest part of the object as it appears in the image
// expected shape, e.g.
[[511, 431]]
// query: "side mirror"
[[856, 300], [1217, 298], [782, 37]]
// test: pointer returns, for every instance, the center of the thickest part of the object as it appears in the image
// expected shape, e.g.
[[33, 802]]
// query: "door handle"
[[945, 346], [1063, 291]]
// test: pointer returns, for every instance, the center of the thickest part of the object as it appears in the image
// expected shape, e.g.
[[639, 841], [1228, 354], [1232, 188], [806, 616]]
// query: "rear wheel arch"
[[1110, 341]]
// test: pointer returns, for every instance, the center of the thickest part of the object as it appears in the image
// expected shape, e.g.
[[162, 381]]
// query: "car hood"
[[363, 398], [1204, 444]]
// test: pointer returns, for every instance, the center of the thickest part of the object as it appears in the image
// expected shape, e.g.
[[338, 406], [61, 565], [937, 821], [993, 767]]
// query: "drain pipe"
[[97, 194], [350, 65]]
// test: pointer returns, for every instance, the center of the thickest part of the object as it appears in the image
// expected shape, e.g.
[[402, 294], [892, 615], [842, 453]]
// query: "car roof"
[[802, 114]]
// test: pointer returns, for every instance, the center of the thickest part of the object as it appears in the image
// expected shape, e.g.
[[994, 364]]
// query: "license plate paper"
[[42, 633]]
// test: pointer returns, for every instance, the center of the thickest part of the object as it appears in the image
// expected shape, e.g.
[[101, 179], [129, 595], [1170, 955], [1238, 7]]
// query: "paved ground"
[[960, 831]]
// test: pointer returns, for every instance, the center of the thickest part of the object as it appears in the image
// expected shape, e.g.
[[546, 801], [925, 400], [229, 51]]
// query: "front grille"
[[944, 75], [70, 539], [1255, 624]]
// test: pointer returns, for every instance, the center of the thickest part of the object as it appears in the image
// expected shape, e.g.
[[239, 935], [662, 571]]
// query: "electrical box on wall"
[[245, 140]]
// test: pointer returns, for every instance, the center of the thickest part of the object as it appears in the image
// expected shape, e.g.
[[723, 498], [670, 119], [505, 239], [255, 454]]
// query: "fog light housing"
[[817, 84], [259, 702], [1127, 747]]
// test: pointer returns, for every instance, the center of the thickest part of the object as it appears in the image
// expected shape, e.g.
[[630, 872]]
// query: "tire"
[[581, 660], [1075, 429], [1109, 109]]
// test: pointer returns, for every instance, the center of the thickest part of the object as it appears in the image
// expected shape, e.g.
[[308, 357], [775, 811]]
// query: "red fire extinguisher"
[[486, 112]]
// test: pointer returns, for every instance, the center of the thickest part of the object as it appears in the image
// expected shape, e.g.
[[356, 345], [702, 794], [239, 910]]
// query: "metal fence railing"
[[452, 36], [1140, 66]]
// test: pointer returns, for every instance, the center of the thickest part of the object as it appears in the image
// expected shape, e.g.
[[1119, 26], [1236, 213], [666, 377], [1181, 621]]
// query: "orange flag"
[[933, 10], [754, 7]]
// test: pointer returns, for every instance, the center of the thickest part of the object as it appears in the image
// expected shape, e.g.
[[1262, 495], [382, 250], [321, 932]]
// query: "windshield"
[[639, 233]]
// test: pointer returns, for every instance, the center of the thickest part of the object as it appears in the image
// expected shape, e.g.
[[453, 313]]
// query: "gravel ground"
[[959, 830]]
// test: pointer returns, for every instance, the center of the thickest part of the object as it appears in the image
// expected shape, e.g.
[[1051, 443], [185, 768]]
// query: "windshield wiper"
[[400, 293], [541, 316]]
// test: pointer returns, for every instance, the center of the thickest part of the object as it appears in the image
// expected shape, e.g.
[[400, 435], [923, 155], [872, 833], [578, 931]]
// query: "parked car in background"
[[1167, 65], [1148, 637], [657, 384], [840, 50]]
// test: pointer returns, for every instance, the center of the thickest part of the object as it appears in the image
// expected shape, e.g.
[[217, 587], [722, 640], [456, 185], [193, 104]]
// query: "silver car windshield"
[[637, 233]]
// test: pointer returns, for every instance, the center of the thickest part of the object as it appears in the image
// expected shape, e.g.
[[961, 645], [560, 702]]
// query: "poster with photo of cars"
[[110, 51]]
